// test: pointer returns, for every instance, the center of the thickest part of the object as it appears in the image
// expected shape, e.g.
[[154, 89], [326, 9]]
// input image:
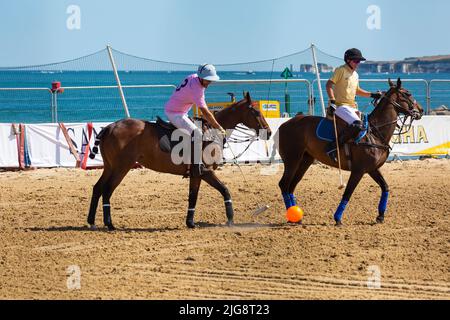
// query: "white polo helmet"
[[207, 72]]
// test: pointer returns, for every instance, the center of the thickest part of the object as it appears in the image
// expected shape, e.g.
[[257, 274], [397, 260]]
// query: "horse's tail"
[[98, 138]]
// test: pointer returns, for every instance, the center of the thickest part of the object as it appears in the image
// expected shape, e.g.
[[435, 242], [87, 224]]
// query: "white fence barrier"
[[68, 145]]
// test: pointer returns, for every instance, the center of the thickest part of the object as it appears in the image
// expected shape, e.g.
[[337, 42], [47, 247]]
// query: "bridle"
[[248, 137], [258, 115], [410, 113], [242, 134]]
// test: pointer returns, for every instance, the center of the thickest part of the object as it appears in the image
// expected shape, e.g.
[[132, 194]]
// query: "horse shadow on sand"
[[100, 229]]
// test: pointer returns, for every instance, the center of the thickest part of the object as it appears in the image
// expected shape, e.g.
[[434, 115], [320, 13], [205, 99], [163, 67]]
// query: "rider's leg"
[[197, 167], [349, 115], [182, 121]]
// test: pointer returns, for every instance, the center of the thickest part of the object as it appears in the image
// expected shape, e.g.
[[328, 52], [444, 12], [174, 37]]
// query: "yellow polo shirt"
[[346, 81]]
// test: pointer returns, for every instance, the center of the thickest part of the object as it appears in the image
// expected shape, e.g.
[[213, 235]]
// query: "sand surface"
[[152, 255]]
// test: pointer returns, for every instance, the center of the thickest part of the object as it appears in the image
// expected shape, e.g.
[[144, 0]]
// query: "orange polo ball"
[[294, 214]]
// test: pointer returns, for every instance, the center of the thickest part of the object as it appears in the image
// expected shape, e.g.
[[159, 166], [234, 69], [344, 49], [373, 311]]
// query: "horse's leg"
[[110, 185], [194, 186], [290, 169], [210, 178], [355, 178], [306, 162], [96, 193], [376, 175]]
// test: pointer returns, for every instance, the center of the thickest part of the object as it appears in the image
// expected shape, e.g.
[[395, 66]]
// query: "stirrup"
[[197, 170], [332, 154]]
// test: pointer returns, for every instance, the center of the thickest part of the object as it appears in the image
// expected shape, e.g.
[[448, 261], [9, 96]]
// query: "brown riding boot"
[[197, 168], [350, 132]]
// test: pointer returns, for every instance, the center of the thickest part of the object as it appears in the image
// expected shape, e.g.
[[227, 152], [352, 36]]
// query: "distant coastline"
[[427, 64]]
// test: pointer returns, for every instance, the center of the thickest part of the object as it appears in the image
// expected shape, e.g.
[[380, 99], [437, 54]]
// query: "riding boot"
[[197, 166], [350, 132], [332, 150], [197, 169]]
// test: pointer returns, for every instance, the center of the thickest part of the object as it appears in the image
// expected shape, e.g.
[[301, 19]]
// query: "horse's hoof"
[[380, 219], [230, 223], [111, 227], [338, 224], [93, 227], [190, 224]]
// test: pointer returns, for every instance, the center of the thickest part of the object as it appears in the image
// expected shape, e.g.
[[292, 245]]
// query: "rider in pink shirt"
[[192, 91], [189, 92]]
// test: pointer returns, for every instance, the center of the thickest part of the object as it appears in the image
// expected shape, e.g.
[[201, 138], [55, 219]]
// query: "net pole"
[[119, 85], [313, 49]]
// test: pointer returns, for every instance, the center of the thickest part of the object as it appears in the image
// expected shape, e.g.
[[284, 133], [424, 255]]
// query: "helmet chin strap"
[[202, 82], [348, 63]]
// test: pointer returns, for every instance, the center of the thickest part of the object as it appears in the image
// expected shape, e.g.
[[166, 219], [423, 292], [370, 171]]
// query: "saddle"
[[165, 130], [325, 129]]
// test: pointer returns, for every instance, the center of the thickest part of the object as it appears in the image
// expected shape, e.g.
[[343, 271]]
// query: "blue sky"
[[220, 31]]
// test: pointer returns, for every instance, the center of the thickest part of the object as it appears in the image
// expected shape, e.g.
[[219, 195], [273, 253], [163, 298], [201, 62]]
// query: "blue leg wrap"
[[293, 200], [383, 202], [289, 200], [340, 210]]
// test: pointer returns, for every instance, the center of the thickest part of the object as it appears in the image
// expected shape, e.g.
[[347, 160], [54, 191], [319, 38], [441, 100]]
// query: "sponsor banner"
[[47, 146], [9, 156], [69, 144], [53, 145], [427, 136]]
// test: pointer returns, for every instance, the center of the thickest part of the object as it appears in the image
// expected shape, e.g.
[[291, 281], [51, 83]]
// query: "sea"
[[83, 100]]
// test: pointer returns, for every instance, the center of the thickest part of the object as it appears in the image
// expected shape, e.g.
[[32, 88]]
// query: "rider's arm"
[[367, 94], [330, 90], [211, 119], [362, 93], [335, 78], [201, 103]]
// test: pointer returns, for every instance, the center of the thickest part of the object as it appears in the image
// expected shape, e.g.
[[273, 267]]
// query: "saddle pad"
[[164, 136], [325, 130]]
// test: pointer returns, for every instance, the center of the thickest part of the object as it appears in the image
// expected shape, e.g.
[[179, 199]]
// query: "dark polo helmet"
[[353, 54]]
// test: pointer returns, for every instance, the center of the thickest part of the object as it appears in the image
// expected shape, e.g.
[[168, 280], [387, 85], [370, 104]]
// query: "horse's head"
[[403, 101], [252, 117]]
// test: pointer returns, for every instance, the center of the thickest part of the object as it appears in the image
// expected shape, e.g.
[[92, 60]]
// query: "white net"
[[91, 94]]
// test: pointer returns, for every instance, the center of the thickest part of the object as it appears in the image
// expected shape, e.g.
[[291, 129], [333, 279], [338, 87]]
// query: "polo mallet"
[[342, 185], [262, 208]]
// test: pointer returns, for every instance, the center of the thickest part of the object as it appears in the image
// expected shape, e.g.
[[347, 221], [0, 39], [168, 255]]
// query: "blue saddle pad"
[[325, 130]]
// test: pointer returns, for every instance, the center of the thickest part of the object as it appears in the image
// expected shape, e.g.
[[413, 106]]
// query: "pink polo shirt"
[[188, 93]]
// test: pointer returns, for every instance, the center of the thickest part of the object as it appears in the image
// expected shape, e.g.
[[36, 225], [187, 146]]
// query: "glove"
[[333, 104], [375, 95], [222, 131]]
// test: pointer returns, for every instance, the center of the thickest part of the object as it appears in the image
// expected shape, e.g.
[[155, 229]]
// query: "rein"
[[403, 128], [245, 135]]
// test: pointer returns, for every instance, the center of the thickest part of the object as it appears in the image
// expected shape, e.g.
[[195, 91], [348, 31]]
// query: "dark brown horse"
[[298, 147], [125, 142]]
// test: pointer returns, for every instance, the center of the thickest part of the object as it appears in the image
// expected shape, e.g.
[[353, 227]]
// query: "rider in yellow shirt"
[[342, 89]]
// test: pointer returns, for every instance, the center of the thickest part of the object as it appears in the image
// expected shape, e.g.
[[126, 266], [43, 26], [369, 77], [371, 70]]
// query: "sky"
[[220, 31]]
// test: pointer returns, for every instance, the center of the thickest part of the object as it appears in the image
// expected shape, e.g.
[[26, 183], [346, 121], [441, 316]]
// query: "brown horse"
[[127, 141], [298, 147]]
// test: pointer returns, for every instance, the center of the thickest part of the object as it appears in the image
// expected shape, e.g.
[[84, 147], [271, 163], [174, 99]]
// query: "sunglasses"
[[357, 61]]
